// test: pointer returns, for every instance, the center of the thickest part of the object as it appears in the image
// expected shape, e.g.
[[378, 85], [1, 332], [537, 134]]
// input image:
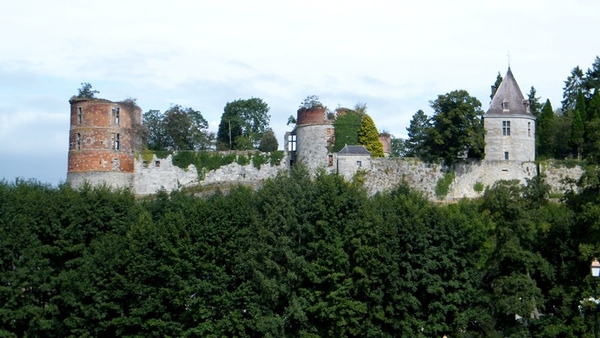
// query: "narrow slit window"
[[79, 115], [506, 155], [78, 141], [528, 129], [117, 138]]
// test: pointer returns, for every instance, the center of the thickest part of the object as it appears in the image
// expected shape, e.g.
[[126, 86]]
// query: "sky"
[[395, 56]]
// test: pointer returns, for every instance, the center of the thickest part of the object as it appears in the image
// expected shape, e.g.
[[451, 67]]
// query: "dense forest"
[[299, 257]]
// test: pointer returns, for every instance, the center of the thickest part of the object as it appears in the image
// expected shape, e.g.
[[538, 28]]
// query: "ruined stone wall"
[[387, 173], [160, 174]]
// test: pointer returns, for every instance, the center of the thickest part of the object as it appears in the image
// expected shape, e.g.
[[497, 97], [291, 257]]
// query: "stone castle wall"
[[380, 174], [161, 174]]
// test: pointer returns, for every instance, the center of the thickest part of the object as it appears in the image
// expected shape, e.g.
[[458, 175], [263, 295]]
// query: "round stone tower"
[[102, 139], [314, 133], [509, 124]]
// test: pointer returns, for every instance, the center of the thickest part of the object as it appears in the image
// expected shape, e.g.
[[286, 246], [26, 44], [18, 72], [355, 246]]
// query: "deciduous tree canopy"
[[242, 124]]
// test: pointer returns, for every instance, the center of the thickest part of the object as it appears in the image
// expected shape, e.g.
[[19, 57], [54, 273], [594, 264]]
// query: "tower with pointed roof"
[[509, 124]]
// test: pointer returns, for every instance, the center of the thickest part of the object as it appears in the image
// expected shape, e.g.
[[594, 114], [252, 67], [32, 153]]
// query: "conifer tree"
[[580, 105], [545, 131], [577, 129], [369, 137], [534, 102]]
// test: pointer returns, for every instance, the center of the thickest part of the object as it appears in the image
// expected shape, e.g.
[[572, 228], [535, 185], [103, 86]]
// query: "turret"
[[102, 140], [509, 124]]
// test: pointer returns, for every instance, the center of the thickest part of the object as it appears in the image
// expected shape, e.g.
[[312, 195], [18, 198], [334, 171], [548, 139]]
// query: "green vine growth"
[[443, 184]]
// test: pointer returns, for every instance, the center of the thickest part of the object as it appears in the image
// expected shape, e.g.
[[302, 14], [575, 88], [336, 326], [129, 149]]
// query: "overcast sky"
[[395, 56]]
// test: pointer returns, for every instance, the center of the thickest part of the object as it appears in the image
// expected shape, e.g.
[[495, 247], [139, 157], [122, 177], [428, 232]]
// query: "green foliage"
[[442, 186], [268, 142], [535, 106], [86, 92], [496, 85], [243, 120], [545, 131], [310, 102], [346, 129], [202, 160], [417, 135], [178, 128], [258, 159], [478, 187], [456, 127], [369, 137], [301, 256], [577, 132], [399, 148], [242, 160], [276, 157]]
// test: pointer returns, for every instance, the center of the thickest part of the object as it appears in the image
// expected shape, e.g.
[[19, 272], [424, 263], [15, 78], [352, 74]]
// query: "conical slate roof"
[[508, 98]]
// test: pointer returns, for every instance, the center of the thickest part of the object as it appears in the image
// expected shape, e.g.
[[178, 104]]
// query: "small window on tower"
[[291, 142], [506, 155], [506, 128], [116, 115], [117, 141], [79, 115], [359, 164], [330, 160], [78, 141], [529, 129]]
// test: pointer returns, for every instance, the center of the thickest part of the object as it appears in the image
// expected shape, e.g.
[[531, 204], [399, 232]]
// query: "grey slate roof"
[[509, 93], [354, 150]]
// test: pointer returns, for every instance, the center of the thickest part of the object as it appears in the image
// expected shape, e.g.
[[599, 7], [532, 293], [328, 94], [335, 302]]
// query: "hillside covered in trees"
[[299, 257]]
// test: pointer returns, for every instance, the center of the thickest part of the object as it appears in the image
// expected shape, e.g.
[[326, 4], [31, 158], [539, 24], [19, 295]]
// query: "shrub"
[[443, 185]]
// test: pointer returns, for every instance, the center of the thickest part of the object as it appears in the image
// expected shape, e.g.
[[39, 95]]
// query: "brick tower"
[[102, 140]]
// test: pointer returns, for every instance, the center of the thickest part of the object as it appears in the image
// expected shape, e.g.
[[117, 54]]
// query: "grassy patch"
[[478, 187]]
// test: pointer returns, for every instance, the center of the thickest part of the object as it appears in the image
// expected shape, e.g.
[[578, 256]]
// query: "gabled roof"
[[508, 98], [354, 150]]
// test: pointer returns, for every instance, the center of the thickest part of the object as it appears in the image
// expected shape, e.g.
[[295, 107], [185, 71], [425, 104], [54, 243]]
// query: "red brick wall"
[[97, 129], [313, 116]]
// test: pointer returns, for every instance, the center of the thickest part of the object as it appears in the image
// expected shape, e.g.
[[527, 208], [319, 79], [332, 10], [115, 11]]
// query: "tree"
[[246, 118], [577, 129], [310, 102], [178, 128], [157, 138], [398, 147], [369, 137], [496, 85], [534, 102], [417, 134], [456, 127], [545, 131], [346, 127], [592, 76], [268, 142], [86, 92], [573, 85], [580, 105]]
